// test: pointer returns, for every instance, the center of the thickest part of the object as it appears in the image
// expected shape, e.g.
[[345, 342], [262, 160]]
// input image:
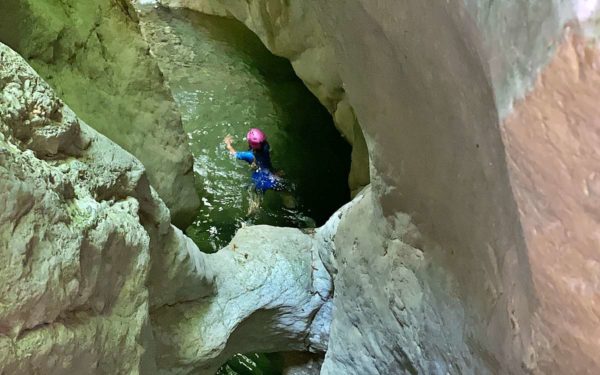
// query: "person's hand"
[[228, 139]]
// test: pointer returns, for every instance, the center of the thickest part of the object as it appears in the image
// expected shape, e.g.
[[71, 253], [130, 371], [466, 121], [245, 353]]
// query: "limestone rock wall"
[[418, 83], [493, 271], [432, 86], [92, 53]]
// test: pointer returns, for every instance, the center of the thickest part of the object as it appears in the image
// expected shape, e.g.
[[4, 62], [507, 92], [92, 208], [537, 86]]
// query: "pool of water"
[[225, 82]]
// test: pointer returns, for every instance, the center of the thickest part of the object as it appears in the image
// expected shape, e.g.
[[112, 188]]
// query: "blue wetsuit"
[[263, 178]]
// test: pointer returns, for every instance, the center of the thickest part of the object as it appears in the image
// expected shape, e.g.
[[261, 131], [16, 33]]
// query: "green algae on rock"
[[92, 53]]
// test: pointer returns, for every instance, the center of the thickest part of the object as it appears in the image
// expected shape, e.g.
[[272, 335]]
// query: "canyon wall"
[[481, 125], [75, 254], [552, 139], [452, 73], [92, 53], [442, 94]]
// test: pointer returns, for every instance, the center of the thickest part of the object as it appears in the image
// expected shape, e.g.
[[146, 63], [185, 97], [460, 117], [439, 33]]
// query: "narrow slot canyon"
[[225, 82], [441, 210]]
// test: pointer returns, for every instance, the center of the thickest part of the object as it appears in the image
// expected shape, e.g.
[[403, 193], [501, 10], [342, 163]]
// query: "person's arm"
[[228, 141], [246, 156]]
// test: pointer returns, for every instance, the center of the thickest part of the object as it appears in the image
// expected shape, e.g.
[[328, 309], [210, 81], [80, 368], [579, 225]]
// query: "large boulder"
[[271, 293]]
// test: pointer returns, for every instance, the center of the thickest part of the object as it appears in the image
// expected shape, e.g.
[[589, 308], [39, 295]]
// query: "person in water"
[[259, 157]]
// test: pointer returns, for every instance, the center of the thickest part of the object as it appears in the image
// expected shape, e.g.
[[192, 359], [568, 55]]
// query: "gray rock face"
[[431, 84], [384, 305], [92, 53], [96, 280], [296, 363]]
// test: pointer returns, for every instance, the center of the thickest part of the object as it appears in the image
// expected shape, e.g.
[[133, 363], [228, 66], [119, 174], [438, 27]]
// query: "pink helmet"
[[255, 138]]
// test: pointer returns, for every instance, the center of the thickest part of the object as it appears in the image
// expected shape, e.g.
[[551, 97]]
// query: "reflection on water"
[[225, 82], [252, 364]]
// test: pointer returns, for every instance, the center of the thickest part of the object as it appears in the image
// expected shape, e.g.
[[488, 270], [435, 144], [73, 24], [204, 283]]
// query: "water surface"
[[225, 82]]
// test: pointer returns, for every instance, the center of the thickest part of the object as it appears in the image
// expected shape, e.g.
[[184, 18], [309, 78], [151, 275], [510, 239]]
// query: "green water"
[[225, 82], [253, 364]]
